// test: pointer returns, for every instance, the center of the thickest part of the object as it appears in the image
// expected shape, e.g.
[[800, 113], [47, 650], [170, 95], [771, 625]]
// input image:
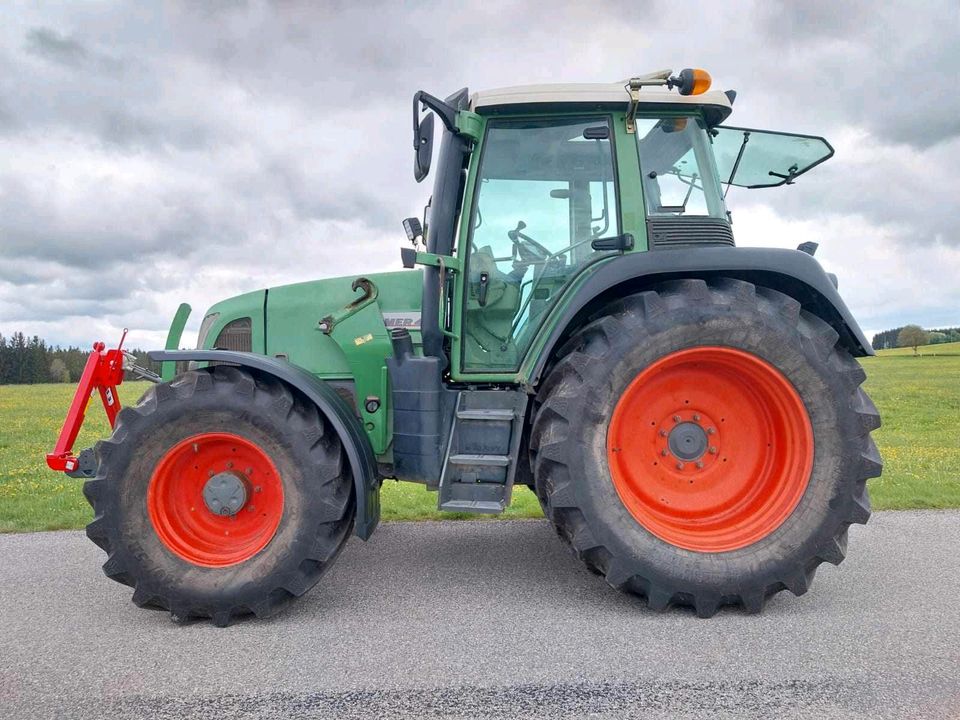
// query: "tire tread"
[[555, 416], [304, 422]]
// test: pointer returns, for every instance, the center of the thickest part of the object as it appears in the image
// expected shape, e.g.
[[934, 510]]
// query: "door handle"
[[482, 290]]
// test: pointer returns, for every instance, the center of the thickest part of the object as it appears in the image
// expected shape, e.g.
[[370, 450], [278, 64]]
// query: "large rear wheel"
[[705, 444], [220, 494]]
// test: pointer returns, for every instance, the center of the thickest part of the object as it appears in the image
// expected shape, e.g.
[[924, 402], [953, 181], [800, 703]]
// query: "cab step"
[[489, 414], [481, 457], [492, 460]]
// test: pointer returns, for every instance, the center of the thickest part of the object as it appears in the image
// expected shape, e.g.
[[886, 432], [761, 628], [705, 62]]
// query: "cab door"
[[545, 191]]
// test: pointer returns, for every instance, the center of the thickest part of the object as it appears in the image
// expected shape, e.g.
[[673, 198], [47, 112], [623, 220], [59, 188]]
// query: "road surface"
[[490, 619]]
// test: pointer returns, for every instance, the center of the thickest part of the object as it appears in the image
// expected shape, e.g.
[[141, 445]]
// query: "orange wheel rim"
[[710, 448], [215, 499]]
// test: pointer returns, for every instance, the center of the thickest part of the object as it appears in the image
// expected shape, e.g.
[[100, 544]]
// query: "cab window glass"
[[677, 166], [545, 192], [761, 158]]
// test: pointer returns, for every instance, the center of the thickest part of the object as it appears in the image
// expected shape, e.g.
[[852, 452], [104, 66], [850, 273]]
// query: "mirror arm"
[[736, 164], [447, 114]]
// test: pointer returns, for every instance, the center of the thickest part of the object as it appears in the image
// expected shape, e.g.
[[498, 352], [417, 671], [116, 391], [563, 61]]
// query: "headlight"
[[205, 326]]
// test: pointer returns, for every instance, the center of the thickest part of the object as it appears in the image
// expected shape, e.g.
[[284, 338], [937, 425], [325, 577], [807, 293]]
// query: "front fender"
[[355, 443], [792, 272]]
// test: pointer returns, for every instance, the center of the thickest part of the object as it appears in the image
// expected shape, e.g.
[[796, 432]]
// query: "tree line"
[[28, 360], [891, 338]]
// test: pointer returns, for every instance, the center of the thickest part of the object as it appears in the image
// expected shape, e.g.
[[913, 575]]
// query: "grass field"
[[32, 497], [919, 402], [918, 398]]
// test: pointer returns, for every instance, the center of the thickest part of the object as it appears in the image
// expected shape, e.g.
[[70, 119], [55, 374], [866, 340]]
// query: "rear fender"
[[355, 442], [792, 272]]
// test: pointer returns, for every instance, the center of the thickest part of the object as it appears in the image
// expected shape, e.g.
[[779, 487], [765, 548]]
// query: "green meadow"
[[918, 398]]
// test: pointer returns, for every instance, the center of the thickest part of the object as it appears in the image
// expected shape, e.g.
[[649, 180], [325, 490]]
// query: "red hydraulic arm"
[[102, 373]]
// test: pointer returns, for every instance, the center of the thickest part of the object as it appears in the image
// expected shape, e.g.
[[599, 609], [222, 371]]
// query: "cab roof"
[[716, 103]]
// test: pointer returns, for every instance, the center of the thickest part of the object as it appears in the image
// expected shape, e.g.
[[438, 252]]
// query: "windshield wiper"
[[691, 184]]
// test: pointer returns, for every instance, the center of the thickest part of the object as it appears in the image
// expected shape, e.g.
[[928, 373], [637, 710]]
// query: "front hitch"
[[102, 374]]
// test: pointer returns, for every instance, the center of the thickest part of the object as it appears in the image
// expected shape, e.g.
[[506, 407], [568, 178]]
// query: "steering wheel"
[[527, 250]]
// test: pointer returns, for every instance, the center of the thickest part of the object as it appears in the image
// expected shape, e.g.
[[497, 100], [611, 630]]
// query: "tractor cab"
[[535, 184]]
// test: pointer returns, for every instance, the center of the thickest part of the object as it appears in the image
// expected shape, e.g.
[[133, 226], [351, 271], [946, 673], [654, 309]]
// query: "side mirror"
[[423, 152]]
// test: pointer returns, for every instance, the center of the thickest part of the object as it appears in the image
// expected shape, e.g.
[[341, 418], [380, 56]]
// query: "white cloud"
[[154, 153], [882, 287]]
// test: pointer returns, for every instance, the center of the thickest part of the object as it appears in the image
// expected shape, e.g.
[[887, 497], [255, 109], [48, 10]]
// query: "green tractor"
[[573, 316]]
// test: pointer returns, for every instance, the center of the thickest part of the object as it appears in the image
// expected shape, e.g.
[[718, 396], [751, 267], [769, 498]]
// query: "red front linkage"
[[103, 372]]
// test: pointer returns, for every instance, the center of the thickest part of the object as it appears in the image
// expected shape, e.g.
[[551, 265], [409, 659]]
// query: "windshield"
[[679, 174]]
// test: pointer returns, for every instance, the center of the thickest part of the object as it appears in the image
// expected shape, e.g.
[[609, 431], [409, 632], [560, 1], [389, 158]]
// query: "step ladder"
[[481, 456]]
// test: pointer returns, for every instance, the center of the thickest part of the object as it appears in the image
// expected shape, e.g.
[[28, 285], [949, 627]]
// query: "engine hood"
[[284, 319]]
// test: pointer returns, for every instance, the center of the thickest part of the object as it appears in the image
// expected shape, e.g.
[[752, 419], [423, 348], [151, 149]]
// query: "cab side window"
[[545, 191]]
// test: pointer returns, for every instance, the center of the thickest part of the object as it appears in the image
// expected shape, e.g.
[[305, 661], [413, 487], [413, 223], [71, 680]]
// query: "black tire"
[[576, 401], [318, 506]]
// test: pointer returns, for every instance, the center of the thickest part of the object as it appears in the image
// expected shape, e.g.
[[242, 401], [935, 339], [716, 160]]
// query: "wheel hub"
[[225, 494], [687, 441]]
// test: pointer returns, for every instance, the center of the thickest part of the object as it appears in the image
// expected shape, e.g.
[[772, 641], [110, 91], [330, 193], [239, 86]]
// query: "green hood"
[[284, 320]]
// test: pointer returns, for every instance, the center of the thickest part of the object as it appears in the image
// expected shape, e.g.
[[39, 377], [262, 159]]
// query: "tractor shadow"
[[477, 564], [443, 568]]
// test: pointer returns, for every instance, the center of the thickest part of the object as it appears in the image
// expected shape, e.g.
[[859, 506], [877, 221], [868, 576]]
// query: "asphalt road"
[[490, 619]]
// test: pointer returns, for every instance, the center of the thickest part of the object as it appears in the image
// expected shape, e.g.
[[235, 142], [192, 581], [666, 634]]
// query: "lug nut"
[[699, 464], [663, 433], [696, 418], [712, 450], [230, 464], [248, 471], [679, 466], [676, 418], [711, 431], [664, 452]]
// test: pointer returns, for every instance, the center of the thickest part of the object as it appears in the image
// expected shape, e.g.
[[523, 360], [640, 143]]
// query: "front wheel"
[[705, 444], [220, 494]]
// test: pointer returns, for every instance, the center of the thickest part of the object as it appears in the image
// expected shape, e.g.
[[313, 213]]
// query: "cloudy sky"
[[152, 153]]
